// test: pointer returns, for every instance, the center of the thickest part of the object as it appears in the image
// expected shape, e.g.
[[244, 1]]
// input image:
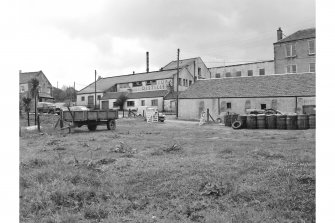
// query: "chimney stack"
[[147, 62], [279, 34], [133, 72]]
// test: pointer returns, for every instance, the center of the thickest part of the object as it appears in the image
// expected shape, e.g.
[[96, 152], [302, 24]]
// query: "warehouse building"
[[284, 92]]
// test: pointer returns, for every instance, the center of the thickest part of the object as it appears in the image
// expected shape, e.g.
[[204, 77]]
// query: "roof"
[[301, 34], [105, 84], [283, 85], [147, 94], [44, 95], [182, 63], [27, 76], [135, 95], [171, 95], [241, 64]]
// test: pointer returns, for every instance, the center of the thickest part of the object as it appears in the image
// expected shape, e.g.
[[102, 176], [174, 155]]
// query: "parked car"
[[76, 108], [59, 106], [45, 107]]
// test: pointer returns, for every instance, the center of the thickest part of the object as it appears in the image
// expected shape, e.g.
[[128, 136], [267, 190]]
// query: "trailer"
[[89, 118]]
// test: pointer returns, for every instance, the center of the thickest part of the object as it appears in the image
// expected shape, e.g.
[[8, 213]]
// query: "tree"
[[34, 94], [26, 105], [121, 100]]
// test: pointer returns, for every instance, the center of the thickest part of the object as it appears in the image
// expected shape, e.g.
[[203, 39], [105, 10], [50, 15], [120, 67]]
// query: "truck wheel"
[[111, 125], [92, 127]]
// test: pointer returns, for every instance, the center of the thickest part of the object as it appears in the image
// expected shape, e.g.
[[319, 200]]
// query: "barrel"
[[251, 121], [291, 122], [227, 120], [281, 121], [261, 121], [243, 120], [311, 121], [302, 122], [271, 121]]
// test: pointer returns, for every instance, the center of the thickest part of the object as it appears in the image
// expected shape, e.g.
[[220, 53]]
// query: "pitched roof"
[[27, 76], [112, 95], [182, 63], [147, 94], [301, 34], [282, 85], [171, 95], [44, 95], [104, 84]]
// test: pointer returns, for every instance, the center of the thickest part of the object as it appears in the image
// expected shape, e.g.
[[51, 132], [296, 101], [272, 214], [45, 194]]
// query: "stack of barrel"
[[274, 121]]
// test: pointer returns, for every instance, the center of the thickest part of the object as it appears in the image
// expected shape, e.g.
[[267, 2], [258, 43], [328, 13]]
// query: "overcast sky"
[[68, 40]]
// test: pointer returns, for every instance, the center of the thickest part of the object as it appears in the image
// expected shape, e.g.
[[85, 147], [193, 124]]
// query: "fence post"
[[207, 115], [38, 123]]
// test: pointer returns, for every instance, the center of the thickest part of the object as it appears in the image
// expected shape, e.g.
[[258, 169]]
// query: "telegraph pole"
[[95, 89], [74, 91], [177, 104]]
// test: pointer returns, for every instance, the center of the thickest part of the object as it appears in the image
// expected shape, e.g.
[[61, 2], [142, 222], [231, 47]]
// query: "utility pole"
[[95, 89], [177, 104], [74, 91]]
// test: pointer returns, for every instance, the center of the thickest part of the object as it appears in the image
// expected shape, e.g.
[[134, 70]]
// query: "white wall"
[[137, 103], [85, 102]]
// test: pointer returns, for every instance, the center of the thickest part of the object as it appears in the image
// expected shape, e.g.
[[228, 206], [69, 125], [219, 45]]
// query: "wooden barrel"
[[261, 121], [227, 120], [311, 121], [291, 122], [271, 121], [243, 120], [281, 121], [302, 122], [251, 121]]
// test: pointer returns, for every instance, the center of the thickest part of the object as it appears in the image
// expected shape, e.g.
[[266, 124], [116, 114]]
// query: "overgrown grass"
[[167, 173]]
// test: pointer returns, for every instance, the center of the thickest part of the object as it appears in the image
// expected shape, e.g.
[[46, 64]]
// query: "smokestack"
[[147, 62], [279, 34]]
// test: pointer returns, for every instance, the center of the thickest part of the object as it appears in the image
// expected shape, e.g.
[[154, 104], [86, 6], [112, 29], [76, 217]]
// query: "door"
[[90, 102]]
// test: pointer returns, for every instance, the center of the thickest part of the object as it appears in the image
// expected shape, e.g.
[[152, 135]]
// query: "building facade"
[[287, 93], [295, 53], [243, 70], [44, 88]]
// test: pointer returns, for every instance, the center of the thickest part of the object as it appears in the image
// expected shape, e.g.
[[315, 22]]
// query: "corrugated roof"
[[182, 63], [256, 86], [27, 76], [301, 34], [106, 83]]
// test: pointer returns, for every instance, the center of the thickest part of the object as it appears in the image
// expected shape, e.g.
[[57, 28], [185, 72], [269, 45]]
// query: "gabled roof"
[[182, 63], [301, 34], [27, 76], [112, 95], [104, 84], [171, 95], [282, 85]]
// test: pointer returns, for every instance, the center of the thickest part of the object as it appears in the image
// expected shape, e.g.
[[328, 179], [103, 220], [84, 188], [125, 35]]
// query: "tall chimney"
[[147, 62], [279, 34]]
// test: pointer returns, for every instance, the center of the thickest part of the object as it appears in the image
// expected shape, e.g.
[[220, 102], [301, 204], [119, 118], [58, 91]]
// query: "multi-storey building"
[[295, 53]]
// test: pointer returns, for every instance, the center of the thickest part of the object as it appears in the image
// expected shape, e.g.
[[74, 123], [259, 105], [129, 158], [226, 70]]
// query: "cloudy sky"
[[68, 40]]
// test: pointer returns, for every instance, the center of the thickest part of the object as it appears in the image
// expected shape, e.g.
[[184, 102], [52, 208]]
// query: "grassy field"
[[170, 172]]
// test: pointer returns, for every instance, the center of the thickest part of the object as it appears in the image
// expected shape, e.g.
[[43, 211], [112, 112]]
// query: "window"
[[290, 50], [250, 73], [228, 74], [179, 81], [199, 72], [263, 106], [130, 103], [22, 88], [217, 75], [126, 85], [152, 82], [83, 98], [154, 102], [238, 73], [312, 67], [137, 84], [311, 47], [262, 71], [190, 83], [142, 102], [291, 69], [229, 105], [115, 105], [99, 97], [184, 82]]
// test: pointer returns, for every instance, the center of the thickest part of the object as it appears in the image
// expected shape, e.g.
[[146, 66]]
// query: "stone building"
[[295, 53]]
